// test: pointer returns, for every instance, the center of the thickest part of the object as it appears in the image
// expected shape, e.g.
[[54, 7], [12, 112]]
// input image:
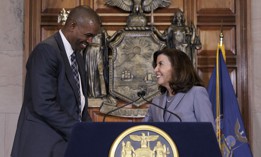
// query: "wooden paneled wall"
[[208, 16]]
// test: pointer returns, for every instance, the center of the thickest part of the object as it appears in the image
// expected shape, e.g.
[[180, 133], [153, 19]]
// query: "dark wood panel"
[[217, 19], [209, 36], [221, 5], [47, 31], [51, 6], [210, 58]]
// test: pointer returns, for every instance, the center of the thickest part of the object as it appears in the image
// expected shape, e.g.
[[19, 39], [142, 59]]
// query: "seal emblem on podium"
[[143, 141]]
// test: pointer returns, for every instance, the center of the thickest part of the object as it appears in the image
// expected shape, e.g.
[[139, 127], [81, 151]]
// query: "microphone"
[[142, 93], [106, 114]]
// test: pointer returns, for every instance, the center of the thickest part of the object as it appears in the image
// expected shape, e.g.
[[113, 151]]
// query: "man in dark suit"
[[55, 88]]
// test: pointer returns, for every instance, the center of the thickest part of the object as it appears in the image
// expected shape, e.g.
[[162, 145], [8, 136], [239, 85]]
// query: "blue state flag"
[[230, 130]]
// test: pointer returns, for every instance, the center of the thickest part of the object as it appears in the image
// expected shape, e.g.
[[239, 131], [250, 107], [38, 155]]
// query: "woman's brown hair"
[[184, 75]]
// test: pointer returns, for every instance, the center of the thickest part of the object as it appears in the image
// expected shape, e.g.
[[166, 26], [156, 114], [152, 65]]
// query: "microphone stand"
[[104, 117]]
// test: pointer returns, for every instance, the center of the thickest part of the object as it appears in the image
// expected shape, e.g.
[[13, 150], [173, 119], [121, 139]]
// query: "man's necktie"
[[75, 71]]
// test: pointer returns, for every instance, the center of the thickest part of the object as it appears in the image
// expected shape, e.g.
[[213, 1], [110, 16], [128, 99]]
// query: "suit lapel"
[[174, 104], [68, 70]]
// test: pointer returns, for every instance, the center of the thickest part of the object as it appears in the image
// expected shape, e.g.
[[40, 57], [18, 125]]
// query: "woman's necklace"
[[170, 98]]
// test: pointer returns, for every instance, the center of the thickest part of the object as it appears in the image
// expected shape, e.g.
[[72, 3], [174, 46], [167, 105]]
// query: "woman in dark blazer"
[[53, 103], [182, 91]]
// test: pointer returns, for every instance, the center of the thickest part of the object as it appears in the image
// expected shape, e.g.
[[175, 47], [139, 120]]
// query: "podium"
[[96, 138]]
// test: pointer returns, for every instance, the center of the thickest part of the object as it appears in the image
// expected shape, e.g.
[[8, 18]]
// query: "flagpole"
[[221, 48], [218, 128]]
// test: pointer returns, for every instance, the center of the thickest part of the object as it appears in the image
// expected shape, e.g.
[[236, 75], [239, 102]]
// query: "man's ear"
[[72, 25]]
